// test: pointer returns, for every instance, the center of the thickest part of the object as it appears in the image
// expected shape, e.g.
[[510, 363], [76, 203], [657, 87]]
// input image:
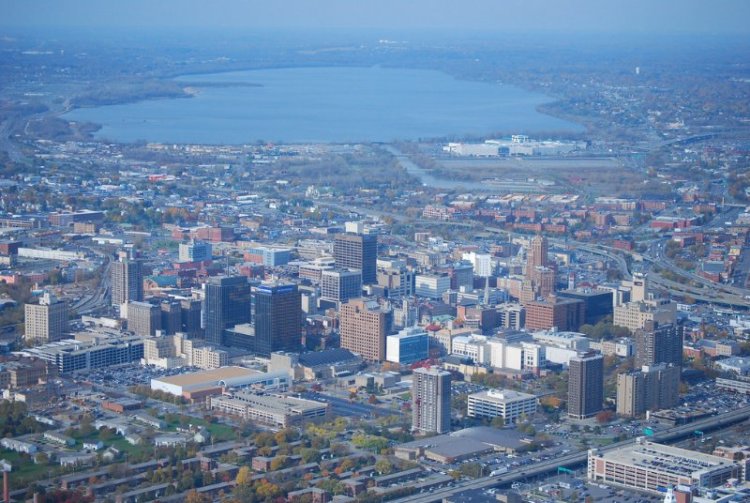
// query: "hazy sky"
[[704, 16]]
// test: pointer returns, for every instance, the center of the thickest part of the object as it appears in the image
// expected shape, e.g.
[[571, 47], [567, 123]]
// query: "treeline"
[[15, 421]]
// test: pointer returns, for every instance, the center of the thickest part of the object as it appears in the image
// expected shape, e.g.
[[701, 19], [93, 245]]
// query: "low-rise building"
[[508, 404], [59, 438], [18, 446], [90, 351], [651, 467], [273, 410], [200, 384]]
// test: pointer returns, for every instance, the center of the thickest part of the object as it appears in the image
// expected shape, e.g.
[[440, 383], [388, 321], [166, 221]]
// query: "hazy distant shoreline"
[[312, 104]]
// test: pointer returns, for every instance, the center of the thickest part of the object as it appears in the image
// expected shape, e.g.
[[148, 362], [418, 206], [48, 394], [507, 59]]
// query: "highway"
[[712, 293], [99, 298], [578, 458]]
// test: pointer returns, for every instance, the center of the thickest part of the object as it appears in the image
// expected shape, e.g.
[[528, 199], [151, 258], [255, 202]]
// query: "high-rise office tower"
[[340, 285], [651, 388], [227, 304], [127, 280], [537, 254], [541, 274], [144, 318], [277, 311], [46, 321], [357, 251], [363, 325], [190, 315], [431, 401], [585, 385], [658, 343], [171, 316]]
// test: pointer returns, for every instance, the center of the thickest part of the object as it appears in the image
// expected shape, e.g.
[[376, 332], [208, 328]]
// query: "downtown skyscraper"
[[357, 251], [227, 304], [277, 314], [127, 280]]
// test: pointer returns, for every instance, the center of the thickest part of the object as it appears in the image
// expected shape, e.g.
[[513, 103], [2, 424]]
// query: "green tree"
[[384, 466], [278, 463], [497, 422], [309, 455]]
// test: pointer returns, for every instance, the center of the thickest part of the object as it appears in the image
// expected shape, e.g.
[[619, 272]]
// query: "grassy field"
[[219, 432], [25, 471]]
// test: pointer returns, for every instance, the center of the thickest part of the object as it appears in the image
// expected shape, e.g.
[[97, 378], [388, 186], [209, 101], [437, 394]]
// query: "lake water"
[[330, 104]]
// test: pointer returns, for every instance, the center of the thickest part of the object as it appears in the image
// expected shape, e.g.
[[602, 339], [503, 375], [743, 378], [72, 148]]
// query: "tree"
[[459, 403], [339, 450], [384, 466], [244, 477], [267, 490], [604, 416], [497, 422], [473, 470], [278, 463], [309, 455], [194, 497]]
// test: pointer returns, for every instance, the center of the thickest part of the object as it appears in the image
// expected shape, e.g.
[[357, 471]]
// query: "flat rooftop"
[[208, 376], [276, 403], [502, 395], [665, 458]]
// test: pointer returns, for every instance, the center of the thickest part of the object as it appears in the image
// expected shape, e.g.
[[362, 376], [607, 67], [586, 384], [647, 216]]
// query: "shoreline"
[[191, 89]]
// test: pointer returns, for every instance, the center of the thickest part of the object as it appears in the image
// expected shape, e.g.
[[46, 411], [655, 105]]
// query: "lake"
[[325, 105]]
